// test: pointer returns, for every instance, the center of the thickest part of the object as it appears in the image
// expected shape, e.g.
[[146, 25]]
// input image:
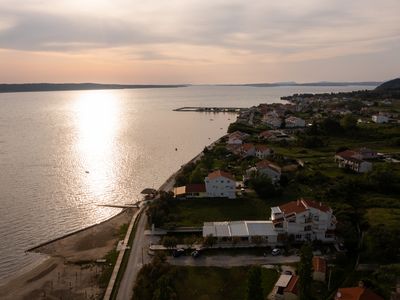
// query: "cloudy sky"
[[198, 41]]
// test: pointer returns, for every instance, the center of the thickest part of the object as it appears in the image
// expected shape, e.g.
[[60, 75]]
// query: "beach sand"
[[70, 271]]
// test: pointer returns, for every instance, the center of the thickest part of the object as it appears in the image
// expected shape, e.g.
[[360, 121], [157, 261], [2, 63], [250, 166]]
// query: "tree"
[[331, 126], [254, 287], [305, 272], [209, 241], [348, 122], [165, 288], [263, 186], [169, 242]]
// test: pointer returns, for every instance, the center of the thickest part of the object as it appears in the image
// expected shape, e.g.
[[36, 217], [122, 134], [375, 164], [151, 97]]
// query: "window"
[[298, 236], [316, 218], [307, 228]]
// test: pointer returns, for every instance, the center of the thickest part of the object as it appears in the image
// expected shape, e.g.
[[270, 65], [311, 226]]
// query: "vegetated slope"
[[391, 85]]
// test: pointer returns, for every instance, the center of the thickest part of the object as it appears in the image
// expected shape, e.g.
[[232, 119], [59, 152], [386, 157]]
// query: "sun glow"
[[97, 122]]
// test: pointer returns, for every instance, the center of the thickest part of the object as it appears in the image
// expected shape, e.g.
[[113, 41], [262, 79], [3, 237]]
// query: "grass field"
[[211, 283], [194, 212], [390, 217]]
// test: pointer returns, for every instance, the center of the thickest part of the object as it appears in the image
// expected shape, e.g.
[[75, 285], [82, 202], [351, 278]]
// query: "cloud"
[[229, 30]]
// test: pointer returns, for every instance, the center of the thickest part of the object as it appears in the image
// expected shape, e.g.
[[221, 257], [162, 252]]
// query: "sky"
[[198, 41]]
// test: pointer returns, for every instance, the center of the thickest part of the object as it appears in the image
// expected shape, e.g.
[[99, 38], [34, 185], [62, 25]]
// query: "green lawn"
[[212, 283], [390, 217], [194, 212]]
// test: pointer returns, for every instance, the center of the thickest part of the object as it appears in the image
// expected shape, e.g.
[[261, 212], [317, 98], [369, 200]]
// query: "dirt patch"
[[43, 273]]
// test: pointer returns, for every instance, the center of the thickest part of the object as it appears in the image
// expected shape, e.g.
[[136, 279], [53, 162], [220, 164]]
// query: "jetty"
[[210, 109], [133, 205]]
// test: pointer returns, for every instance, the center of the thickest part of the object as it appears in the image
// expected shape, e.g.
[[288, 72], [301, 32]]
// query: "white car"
[[276, 251]]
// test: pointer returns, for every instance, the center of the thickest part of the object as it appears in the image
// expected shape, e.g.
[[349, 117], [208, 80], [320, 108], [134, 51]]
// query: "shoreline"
[[34, 273], [64, 258]]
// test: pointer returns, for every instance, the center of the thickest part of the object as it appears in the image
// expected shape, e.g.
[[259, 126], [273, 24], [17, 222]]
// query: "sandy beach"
[[70, 271]]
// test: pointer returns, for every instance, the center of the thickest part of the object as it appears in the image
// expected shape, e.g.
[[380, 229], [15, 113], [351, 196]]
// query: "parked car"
[[178, 252], [287, 272], [276, 251], [195, 253]]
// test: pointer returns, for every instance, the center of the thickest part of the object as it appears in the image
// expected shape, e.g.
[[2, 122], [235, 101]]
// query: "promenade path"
[[137, 258]]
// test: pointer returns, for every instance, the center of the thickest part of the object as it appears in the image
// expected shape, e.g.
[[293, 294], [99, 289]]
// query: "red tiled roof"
[[351, 155], [357, 293], [247, 146], [316, 205], [262, 148], [266, 134], [347, 154], [302, 205], [292, 285], [220, 173], [319, 264], [196, 188], [293, 207], [267, 164]]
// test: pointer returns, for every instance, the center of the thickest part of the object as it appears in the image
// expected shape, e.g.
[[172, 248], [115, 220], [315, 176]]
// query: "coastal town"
[[299, 200], [310, 187]]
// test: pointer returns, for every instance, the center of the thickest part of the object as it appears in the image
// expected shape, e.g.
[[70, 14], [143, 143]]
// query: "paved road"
[[138, 252], [232, 261]]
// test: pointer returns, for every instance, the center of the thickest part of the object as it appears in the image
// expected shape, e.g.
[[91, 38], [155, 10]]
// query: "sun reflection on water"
[[97, 117]]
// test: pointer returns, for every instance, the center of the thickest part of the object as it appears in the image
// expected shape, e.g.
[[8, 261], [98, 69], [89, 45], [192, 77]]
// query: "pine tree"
[[254, 287], [305, 272]]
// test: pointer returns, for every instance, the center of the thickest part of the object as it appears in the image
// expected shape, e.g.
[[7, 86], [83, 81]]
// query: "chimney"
[[320, 203], [298, 202], [361, 284]]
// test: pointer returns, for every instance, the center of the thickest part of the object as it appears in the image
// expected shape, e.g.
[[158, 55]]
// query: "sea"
[[64, 153]]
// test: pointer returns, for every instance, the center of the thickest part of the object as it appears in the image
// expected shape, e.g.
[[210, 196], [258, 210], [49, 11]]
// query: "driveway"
[[227, 261]]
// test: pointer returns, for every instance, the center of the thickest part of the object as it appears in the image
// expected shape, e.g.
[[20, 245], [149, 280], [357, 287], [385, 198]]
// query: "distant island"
[[319, 83], [45, 87]]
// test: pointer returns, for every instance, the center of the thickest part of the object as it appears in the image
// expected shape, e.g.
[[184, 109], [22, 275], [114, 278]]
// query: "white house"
[[304, 219], [269, 169], [262, 151], [236, 138], [272, 119], [353, 160], [247, 150], [220, 184], [366, 153], [380, 119], [242, 231], [293, 122]]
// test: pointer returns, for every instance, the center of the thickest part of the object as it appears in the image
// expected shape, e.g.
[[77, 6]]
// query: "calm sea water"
[[63, 153]]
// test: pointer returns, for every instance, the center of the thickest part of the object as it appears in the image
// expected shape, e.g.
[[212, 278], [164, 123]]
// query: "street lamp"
[[330, 266]]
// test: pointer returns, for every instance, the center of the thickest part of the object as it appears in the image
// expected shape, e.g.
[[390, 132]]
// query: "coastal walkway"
[[137, 258], [210, 109], [121, 254]]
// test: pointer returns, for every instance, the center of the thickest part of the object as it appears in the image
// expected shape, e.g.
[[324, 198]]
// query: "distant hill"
[[320, 83], [44, 87], [391, 85]]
